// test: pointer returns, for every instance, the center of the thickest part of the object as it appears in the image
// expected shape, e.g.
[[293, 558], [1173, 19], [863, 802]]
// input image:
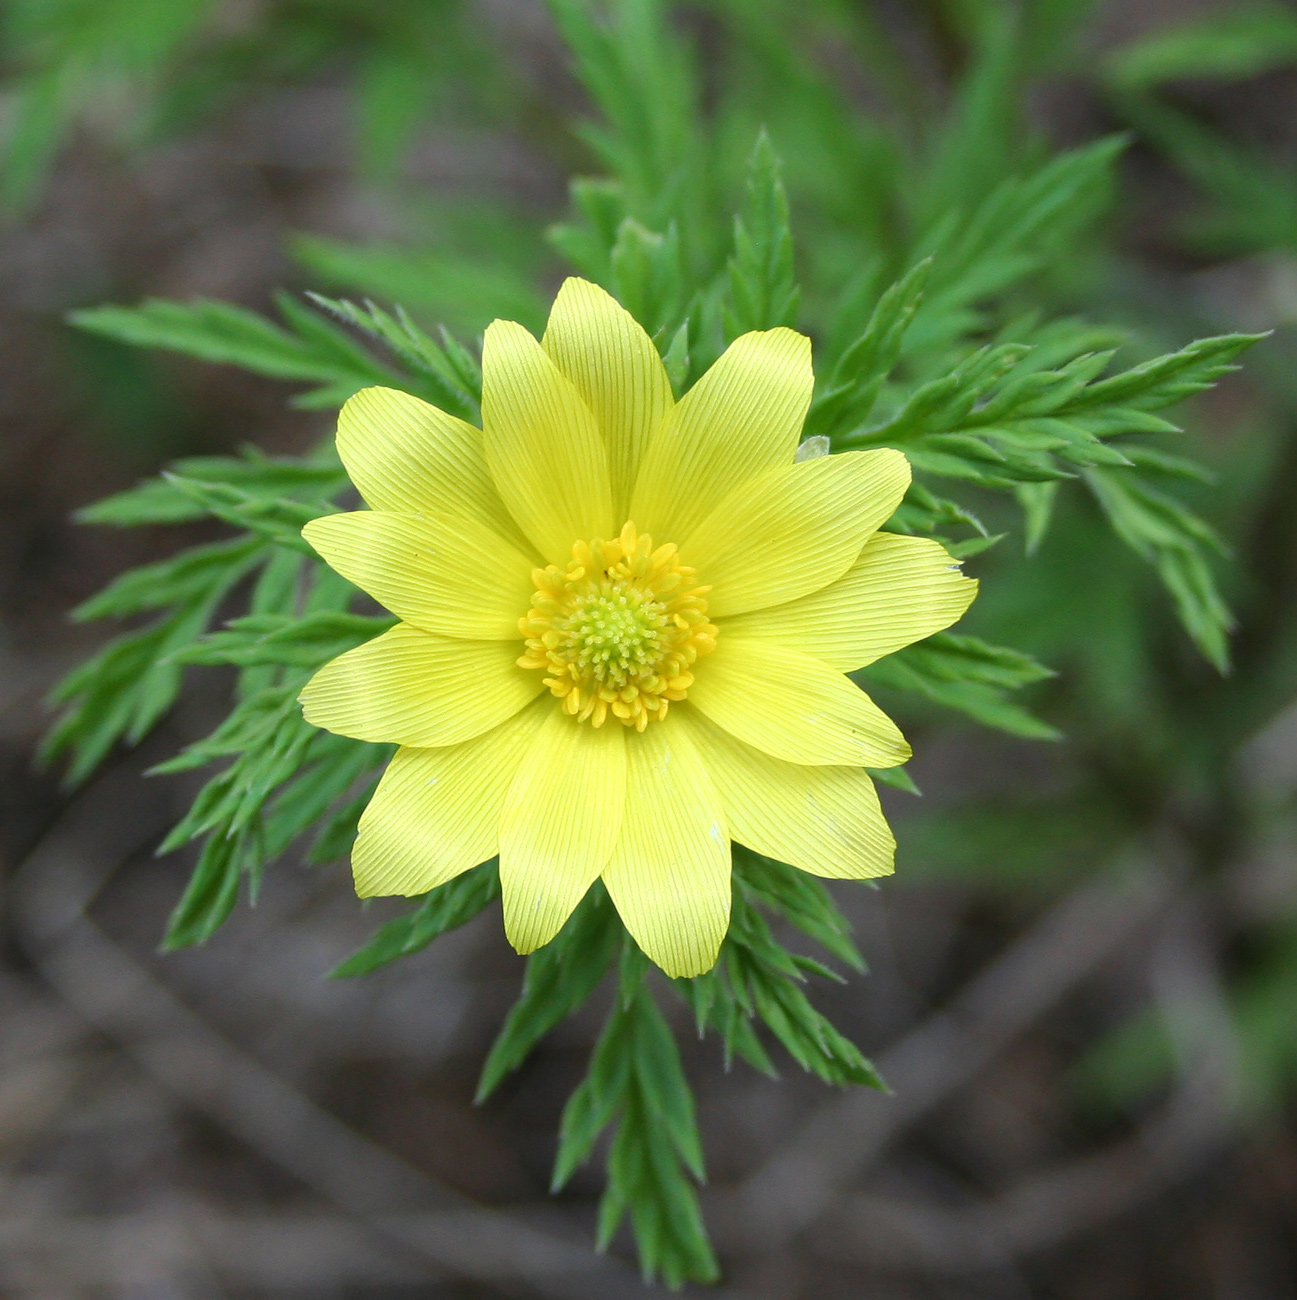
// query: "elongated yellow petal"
[[543, 448], [793, 530], [413, 688], [436, 812], [669, 874], [445, 574], [825, 820], [742, 417], [560, 821], [899, 590], [613, 364], [794, 707], [410, 458]]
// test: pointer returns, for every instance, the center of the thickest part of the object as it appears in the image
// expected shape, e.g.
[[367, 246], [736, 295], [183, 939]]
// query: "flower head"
[[625, 627]]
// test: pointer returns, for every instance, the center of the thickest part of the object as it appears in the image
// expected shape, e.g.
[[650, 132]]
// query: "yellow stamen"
[[618, 630]]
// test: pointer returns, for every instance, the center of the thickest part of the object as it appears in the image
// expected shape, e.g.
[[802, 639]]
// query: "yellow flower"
[[625, 623]]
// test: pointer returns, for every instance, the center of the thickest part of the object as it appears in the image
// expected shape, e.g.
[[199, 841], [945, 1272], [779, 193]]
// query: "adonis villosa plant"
[[641, 572]]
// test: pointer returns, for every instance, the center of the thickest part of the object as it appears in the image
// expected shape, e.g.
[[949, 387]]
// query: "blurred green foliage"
[[948, 261], [146, 69]]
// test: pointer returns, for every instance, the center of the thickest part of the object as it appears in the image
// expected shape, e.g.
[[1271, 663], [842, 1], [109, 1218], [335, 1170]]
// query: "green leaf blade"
[[446, 908]]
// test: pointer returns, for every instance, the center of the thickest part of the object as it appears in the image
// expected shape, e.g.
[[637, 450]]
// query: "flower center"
[[618, 629]]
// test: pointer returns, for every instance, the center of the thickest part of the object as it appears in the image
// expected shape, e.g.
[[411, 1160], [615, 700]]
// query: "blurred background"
[[1083, 985]]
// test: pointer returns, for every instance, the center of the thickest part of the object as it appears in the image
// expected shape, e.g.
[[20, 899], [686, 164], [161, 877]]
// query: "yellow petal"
[[613, 364], [545, 453], [408, 457], [793, 707], [443, 573], [825, 820], [560, 821], [793, 530], [742, 417], [436, 812], [669, 875], [413, 688], [899, 590]]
